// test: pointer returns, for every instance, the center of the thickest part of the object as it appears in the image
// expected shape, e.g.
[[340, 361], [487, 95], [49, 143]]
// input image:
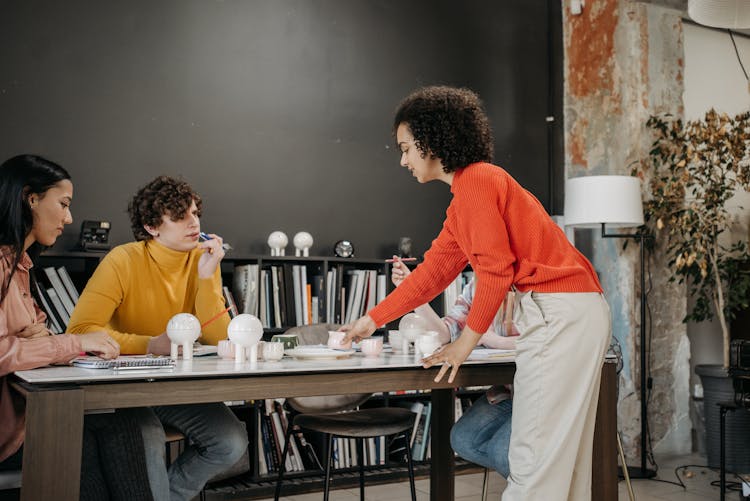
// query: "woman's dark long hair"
[[20, 177]]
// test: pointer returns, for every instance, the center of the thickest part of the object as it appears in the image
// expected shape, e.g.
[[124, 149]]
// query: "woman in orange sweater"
[[509, 240]]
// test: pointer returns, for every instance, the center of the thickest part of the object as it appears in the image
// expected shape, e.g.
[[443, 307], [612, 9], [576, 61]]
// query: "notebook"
[[125, 362]]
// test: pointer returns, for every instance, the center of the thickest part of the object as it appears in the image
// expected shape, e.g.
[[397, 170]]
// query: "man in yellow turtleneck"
[[133, 293]]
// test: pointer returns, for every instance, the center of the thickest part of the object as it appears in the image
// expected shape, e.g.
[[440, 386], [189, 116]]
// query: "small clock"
[[343, 248]]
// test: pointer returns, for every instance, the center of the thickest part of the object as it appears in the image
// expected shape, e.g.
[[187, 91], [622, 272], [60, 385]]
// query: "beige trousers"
[[559, 356]]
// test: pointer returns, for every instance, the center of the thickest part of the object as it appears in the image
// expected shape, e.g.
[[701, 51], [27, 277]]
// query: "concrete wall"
[[624, 62]]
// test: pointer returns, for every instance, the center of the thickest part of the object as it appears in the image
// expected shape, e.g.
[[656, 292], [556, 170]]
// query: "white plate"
[[317, 353]]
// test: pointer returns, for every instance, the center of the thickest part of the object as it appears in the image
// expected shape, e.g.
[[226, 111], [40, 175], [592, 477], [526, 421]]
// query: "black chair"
[[334, 417]]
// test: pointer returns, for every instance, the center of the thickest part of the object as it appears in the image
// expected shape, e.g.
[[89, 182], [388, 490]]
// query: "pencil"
[[216, 317], [404, 259]]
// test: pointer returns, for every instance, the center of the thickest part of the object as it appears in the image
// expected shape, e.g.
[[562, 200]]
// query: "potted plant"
[[692, 171]]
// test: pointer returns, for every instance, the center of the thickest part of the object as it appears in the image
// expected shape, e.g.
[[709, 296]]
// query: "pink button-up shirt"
[[17, 311]]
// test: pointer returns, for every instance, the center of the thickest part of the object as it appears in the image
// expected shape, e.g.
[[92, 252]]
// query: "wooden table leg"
[[52, 448], [442, 463], [604, 469]]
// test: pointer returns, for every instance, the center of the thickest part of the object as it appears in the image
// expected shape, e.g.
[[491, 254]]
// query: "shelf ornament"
[[302, 243], [278, 241]]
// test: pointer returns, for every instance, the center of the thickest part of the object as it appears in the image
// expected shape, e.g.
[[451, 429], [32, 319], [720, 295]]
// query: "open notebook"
[[125, 362]]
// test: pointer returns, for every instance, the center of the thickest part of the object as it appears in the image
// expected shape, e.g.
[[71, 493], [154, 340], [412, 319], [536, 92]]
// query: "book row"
[[285, 295], [307, 450], [57, 296]]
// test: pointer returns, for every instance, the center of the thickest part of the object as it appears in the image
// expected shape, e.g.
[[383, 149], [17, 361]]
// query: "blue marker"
[[205, 236]]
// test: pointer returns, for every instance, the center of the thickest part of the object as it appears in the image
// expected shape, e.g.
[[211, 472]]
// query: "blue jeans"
[[482, 435], [216, 440]]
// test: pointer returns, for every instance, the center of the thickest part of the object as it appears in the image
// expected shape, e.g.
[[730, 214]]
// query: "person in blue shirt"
[[482, 434]]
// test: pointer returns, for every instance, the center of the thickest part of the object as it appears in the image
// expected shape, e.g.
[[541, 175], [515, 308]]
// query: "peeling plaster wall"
[[624, 62]]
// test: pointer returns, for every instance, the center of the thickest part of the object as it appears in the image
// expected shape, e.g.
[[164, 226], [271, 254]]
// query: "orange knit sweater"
[[503, 231]]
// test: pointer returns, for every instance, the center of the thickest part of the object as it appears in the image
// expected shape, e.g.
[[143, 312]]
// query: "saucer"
[[318, 353]]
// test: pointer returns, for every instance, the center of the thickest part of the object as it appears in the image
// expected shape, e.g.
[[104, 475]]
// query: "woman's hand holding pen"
[[212, 256], [32, 331], [363, 327], [100, 344], [452, 355], [399, 271]]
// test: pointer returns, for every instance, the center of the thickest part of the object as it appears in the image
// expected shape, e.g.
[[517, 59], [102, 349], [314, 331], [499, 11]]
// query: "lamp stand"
[[641, 471]]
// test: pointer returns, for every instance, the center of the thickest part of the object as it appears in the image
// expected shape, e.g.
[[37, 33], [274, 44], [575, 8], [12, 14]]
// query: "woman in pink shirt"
[[35, 197]]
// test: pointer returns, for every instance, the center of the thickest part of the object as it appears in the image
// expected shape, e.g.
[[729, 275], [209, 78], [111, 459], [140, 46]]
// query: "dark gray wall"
[[277, 111]]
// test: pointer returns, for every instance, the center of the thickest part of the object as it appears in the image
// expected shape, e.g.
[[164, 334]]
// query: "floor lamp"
[[615, 202]]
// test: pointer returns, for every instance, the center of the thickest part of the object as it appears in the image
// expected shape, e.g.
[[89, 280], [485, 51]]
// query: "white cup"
[[273, 352], [372, 346], [225, 349], [335, 340], [396, 341], [427, 343]]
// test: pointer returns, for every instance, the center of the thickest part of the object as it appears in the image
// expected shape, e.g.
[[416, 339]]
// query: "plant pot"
[[717, 387]]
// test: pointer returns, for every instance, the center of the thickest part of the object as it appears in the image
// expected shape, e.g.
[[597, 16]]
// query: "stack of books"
[[58, 296]]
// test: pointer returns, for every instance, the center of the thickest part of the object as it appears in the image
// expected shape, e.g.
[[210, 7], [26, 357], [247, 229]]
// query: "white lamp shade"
[[730, 14], [611, 200]]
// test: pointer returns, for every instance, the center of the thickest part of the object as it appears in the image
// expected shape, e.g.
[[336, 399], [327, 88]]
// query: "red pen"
[[216, 317], [404, 259]]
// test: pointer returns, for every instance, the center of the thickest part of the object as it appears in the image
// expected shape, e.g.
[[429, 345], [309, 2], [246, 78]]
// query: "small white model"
[[183, 329], [245, 331], [277, 241], [302, 243]]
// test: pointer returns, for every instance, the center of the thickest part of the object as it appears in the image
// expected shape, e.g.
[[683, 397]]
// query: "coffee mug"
[[336, 340], [290, 341], [372, 346], [273, 352]]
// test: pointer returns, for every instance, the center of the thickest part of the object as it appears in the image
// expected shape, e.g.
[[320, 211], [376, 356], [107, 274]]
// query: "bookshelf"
[[275, 302], [287, 291], [379, 457]]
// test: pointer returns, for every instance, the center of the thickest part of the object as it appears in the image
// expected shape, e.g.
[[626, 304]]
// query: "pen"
[[217, 316], [206, 236], [404, 259]]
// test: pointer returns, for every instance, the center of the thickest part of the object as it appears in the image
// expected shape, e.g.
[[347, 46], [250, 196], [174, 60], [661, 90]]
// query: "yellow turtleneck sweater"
[[139, 286]]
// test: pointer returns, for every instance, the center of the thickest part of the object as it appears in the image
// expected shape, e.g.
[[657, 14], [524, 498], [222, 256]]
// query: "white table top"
[[213, 366]]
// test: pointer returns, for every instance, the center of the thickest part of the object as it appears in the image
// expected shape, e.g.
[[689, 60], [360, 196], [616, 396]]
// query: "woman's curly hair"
[[164, 196], [448, 123]]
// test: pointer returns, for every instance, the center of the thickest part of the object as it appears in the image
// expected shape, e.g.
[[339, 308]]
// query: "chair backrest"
[[318, 334], [10, 479]]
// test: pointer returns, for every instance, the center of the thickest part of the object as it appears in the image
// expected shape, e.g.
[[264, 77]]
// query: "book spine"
[[68, 283], [269, 442], [62, 294], [62, 314], [51, 316]]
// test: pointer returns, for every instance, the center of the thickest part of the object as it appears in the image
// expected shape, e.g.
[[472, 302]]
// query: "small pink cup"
[[225, 349], [335, 340], [372, 346]]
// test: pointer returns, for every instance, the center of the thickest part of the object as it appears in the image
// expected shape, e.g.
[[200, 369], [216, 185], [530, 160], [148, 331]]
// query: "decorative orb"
[[183, 328], [412, 321], [277, 241], [245, 330], [411, 326], [302, 243]]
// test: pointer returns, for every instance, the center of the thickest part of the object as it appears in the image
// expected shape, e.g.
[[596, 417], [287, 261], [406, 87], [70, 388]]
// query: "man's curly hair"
[[448, 123], [164, 196]]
